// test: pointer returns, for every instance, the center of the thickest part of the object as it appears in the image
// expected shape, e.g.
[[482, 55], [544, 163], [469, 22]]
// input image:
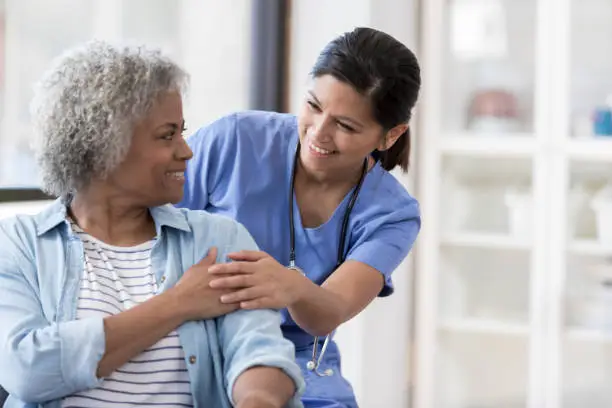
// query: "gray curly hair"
[[86, 105]]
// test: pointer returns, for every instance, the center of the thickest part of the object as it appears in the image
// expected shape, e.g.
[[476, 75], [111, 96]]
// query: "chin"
[[175, 199]]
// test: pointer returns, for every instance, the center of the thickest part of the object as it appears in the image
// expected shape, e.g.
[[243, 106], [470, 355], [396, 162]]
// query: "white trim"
[[428, 189], [558, 13]]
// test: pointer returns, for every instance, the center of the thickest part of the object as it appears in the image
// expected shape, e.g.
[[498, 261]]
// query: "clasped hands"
[[253, 280]]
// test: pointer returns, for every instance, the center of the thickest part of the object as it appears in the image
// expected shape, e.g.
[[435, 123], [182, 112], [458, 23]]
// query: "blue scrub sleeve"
[[385, 241], [212, 161]]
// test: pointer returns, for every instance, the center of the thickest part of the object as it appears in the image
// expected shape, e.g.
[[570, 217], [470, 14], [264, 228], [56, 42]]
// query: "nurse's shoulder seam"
[[243, 122], [221, 126], [391, 187]]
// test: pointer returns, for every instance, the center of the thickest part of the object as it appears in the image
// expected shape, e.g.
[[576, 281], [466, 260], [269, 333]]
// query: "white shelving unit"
[[514, 275]]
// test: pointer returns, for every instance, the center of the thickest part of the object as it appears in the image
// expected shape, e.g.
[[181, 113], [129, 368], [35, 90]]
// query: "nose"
[[183, 151], [320, 129]]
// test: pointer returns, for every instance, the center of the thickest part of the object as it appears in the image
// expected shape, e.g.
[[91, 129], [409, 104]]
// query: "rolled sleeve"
[[82, 348], [252, 338]]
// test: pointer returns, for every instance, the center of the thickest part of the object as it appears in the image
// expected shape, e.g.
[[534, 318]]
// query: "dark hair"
[[377, 65]]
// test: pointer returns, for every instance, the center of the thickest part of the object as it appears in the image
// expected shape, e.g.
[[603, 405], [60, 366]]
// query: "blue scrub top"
[[242, 167]]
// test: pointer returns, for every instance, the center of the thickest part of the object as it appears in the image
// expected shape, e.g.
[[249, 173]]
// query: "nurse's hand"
[[261, 282]]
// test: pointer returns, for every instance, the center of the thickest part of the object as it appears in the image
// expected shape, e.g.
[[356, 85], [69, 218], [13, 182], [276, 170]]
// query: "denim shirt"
[[45, 354]]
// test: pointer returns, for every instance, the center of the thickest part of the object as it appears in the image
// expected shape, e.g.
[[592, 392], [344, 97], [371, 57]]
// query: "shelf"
[[485, 240], [578, 334], [595, 149], [589, 247], [483, 326], [466, 144]]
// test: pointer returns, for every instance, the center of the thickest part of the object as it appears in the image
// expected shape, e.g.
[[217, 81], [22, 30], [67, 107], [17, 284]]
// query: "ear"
[[391, 137]]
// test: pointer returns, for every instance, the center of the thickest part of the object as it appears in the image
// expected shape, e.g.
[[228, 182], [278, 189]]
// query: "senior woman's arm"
[[259, 362], [42, 359], [263, 387], [260, 367]]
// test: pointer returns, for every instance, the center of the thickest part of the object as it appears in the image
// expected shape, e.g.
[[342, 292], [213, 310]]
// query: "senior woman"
[[104, 295]]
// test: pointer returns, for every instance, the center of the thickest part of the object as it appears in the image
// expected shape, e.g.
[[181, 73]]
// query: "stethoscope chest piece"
[[314, 363], [311, 366]]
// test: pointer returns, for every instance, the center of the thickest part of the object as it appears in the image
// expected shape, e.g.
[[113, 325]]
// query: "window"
[[209, 39]]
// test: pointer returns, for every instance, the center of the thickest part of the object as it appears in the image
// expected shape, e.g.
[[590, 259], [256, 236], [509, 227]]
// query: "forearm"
[[318, 311], [263, 387], [129, 333]]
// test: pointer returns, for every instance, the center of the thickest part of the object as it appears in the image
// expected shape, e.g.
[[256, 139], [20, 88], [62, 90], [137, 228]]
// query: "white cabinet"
[[514, 269]]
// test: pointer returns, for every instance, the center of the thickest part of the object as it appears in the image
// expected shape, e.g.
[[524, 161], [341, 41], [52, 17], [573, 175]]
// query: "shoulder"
[[18, 238], [18, 224], [28, 227], [245, 126], [213, 223], [216, 230], [253, 124], [198, 222], [385, 199], [265, 122]]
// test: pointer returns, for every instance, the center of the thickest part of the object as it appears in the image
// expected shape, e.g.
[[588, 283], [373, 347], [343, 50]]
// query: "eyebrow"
[[343, 118], [172, 125]]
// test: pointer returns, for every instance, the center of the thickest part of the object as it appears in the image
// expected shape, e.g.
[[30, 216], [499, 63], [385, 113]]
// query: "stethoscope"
[[314, 363]]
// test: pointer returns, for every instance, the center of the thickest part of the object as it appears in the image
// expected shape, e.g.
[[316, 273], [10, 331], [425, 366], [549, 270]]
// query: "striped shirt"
[[115, 279]]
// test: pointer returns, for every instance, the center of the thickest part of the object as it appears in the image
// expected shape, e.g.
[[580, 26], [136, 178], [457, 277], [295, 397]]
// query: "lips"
[[320, 150], [176, 175]]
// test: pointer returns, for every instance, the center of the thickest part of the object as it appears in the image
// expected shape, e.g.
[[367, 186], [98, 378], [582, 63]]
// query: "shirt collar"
[[163, 216]]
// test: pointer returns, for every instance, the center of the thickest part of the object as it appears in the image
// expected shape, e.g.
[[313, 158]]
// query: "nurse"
[[316, 194]]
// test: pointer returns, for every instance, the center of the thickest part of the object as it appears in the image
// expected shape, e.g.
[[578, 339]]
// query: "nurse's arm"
[[365, 275], [319, 310]]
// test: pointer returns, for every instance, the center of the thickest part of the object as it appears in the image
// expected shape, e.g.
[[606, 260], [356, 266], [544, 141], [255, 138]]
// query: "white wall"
[[375, 344], [215, 44]]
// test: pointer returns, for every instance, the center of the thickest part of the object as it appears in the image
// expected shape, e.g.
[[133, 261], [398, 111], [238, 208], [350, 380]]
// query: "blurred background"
[[506, 300]]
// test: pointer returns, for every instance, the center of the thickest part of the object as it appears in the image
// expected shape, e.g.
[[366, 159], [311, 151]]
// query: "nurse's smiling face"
[[336, 128]]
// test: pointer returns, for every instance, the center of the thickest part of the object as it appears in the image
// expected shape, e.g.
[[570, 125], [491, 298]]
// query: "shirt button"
[[163, 279], [192, 359]]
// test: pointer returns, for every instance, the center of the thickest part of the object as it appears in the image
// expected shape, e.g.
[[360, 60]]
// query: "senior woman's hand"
[[196, 299], [190, 299]]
